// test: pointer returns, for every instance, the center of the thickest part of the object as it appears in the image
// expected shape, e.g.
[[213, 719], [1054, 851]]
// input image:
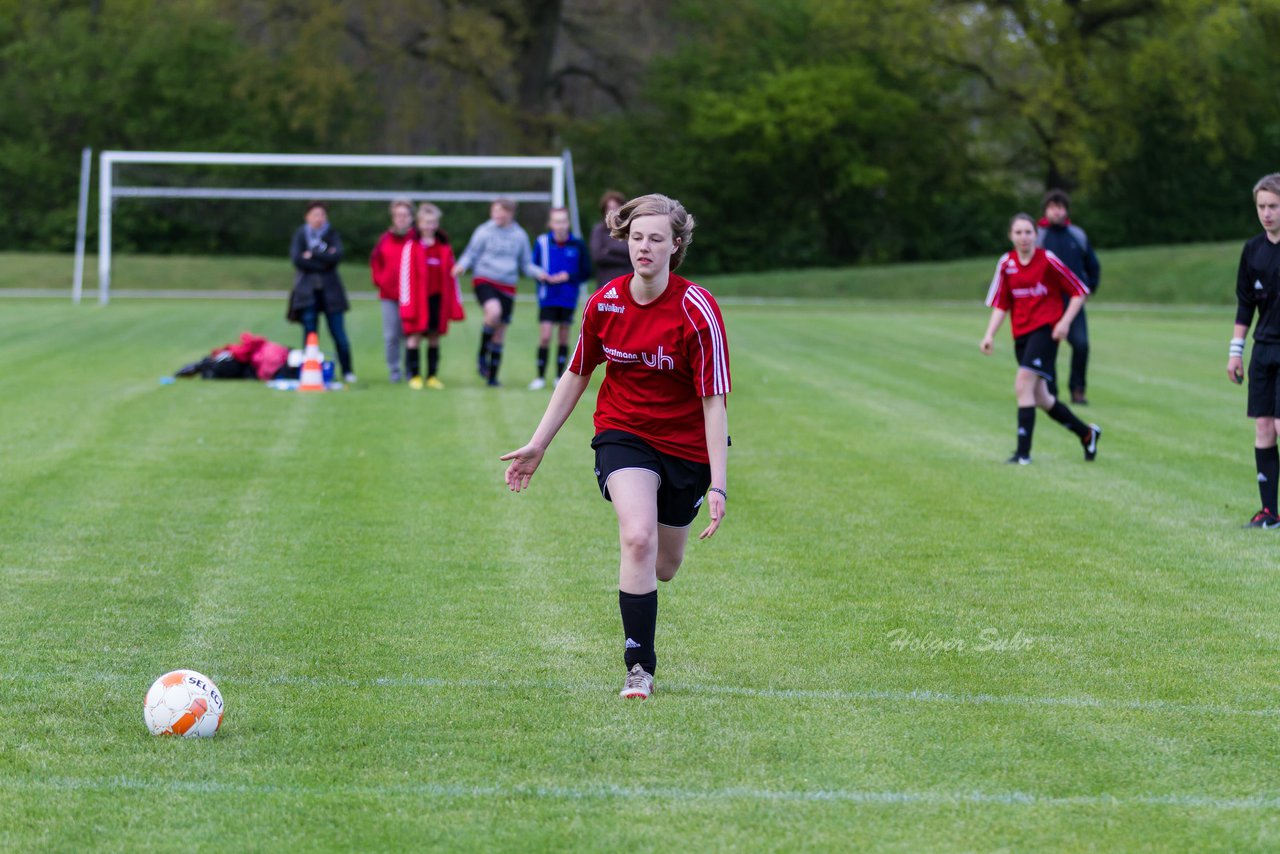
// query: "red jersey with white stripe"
[[1033, 293], [663, 358]]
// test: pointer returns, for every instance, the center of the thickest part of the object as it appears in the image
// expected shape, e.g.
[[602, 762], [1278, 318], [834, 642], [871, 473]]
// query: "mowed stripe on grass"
[[300, 549]]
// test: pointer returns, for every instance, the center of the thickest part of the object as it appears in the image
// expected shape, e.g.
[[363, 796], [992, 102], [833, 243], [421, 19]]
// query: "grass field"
[[1202, 274], [895, 642]]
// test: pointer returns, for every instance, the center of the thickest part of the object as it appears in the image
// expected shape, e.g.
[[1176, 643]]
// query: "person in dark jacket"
[[610, 257], [317, 287], [1069, 242]]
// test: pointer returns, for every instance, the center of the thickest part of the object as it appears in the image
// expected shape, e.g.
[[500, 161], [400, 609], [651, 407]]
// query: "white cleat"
[[538, 385], [639, 685]]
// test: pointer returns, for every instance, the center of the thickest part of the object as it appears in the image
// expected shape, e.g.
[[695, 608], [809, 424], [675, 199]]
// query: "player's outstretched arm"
[[524, 461]]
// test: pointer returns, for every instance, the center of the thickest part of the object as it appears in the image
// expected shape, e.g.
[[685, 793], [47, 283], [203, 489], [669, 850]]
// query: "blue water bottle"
[[326, 368]]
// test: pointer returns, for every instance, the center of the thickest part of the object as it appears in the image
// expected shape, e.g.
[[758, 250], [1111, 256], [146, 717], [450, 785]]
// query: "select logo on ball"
[[185, 703]]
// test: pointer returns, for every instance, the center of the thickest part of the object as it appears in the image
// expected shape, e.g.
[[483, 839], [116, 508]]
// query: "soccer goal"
[[558, 171]]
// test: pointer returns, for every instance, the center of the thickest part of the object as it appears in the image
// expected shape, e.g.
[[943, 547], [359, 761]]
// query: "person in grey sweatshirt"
[[498, 253]]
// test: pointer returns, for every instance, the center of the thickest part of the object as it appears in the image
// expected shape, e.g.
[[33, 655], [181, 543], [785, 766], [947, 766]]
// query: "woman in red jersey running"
[[1030, 284], [661, 425]]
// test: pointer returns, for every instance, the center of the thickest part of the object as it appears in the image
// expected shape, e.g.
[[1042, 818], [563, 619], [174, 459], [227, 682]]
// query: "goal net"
[[208, 202]]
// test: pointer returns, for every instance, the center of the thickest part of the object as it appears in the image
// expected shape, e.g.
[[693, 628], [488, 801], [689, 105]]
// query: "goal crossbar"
[[561, 169]]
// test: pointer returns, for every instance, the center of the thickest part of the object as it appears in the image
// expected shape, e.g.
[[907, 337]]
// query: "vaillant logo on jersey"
[[613, 307], [661, 361], [612, 294]]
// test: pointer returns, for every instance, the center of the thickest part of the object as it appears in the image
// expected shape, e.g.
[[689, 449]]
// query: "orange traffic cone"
[[312, 378]]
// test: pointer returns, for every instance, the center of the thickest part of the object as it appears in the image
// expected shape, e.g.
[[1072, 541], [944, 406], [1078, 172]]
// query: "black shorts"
[[1264, 381], [1038, 352], [681, 483], [433, 313], [486, 292], [555, 314]]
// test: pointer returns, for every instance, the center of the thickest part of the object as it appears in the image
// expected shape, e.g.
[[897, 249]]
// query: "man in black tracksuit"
[[1071, 245]]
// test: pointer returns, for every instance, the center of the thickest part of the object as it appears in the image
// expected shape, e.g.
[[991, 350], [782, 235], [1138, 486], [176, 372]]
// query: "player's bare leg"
[[634, 493]]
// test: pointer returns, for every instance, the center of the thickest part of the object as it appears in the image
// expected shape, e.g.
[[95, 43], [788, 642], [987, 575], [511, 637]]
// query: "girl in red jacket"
[[429, 299], [391, 264]]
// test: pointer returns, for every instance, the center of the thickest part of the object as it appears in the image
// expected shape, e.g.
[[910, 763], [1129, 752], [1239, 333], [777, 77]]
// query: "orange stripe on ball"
[[191, 716]]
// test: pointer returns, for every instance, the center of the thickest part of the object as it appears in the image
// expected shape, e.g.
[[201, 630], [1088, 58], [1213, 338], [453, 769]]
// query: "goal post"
[[559, 181]]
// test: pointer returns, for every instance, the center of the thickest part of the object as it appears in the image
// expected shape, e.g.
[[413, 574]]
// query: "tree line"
[[799, 132]]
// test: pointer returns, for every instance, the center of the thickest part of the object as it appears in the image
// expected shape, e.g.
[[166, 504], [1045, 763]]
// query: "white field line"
[[866, 695], [678, 795], [836, 694]]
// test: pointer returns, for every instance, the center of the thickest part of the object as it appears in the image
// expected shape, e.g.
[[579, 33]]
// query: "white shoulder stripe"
[[701, 300], [995, 281], [1066, 271]]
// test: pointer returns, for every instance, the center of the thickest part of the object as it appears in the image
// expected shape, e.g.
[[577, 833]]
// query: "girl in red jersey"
[[1030, 284], [429, 298], [661, 426]]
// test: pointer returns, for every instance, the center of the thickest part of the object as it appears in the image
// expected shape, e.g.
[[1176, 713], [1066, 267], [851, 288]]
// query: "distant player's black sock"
[[1068, 419], [542, 361], [639, 621], [562, 359], [1268, 460], [412, 361], [1026, 426], [486, 338], [495, 361], [433, 360]]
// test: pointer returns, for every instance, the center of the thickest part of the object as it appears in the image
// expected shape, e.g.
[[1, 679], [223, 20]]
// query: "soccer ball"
[[183, 702]]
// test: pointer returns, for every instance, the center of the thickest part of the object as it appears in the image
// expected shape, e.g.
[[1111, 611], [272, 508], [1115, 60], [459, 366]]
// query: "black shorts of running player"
[[1264, 381], [486, 292], [681, 483], [1038, 353], [555, 314]]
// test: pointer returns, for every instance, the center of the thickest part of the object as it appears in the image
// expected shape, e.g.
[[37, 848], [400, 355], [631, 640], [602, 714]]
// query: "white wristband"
[[1237, 347]]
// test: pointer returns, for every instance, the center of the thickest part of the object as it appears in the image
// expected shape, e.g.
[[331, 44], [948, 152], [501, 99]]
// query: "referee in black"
[[1258, 289]]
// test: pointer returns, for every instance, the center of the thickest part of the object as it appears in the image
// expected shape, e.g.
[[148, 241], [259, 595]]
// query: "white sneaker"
[[639, 685], [538, 385], [349, 378]]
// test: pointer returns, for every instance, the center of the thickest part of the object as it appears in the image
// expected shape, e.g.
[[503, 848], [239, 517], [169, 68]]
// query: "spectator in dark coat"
[[1069, 242], [610, 257], [317, 287]]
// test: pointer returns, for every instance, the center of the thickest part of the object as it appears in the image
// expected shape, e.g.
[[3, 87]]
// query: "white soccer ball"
[[183, 702]]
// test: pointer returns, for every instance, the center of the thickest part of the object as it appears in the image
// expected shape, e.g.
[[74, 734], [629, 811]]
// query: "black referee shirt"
[[1258, 286]]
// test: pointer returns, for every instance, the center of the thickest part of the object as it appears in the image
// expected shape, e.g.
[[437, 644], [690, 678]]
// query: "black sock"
[[1026, 426], [639, 620], [562, 359], [486, 338], [1268, 460], [495, 360], [542, 361], [433, 360], [412, 361], [1068, 419]]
